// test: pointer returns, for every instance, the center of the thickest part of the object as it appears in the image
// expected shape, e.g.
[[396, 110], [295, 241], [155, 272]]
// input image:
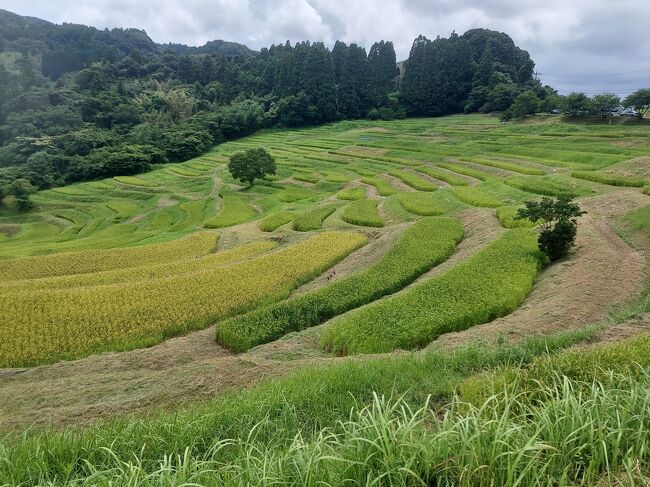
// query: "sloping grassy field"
[[368, 240]]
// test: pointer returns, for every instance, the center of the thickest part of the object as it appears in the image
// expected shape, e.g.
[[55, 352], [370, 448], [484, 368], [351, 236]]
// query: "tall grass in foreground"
[[274, 412], [578, 433]]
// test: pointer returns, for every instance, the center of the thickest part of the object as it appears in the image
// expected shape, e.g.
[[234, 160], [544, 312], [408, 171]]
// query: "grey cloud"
[[577, 44]]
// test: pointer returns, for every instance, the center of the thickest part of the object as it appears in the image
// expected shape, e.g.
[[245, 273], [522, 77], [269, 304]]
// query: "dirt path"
[[603, 270]]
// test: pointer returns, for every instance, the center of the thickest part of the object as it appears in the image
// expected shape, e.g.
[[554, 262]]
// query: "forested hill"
[[132, 103], [59, 49]]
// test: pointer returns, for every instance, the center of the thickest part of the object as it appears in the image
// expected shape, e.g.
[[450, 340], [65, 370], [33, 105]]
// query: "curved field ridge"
[[490, 284], [420, 203], [312, 219], [362, 212], [422, 246], [87, 261], [48, 325]]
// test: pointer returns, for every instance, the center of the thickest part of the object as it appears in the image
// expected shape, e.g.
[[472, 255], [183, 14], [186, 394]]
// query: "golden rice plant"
[[45, 325], [83, 262], [130, 274]]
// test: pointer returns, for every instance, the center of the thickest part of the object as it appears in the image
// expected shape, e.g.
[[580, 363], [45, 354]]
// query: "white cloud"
[[568, 39]]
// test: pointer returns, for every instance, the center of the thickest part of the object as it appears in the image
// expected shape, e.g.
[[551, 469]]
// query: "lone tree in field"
[[251, 164], [558, 223]]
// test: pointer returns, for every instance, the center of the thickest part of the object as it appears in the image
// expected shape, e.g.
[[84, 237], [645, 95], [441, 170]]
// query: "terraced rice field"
[[130, 261]]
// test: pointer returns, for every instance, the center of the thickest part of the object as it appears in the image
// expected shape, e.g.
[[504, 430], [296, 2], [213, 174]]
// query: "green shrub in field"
[[312, 219], [506, 216], [275, 220], [546, 186], [235, 211], [466, 171], [420, 203], [475, 196], [488, 285], [414, 180], [384, 188], [610, 179], [422, 246], [351, 194], [509, 166], [362, 212], [442, 175]]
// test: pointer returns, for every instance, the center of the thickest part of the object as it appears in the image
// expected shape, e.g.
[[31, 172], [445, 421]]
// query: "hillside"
[[78, 104], [59, 49], [373, 237]]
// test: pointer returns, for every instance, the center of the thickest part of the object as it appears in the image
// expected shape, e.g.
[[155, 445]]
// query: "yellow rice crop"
[[46, 325], [67, 263], [139, 273]]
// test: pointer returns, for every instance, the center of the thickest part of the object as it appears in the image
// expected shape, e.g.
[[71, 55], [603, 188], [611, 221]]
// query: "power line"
[[593, 75]]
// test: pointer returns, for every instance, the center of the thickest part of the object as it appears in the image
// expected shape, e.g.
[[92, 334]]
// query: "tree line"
[[122, 116]]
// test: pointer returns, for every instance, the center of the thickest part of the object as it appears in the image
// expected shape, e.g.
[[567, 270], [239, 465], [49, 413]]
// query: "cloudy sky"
[[586, 45]]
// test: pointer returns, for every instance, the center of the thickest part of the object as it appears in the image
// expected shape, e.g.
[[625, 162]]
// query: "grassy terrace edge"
[[490, 284], [407, 260]]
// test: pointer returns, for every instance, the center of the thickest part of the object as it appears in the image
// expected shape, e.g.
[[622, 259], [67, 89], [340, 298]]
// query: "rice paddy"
[[369, 239]]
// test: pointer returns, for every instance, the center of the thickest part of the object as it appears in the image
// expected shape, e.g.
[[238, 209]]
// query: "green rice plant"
[[293, 193], [509, 166], [646, 189], [506, 216], [610, 179], [414, 180], [465, 170], [336, 177], [362, 212], [490, 284], [48, 325], [235, 210], [185, 171], [442, 175], [275, 220], [475, 196], [68, 263], [312, 219], [384, 188], [546, 186], [135, 181], [420, 203], [351, 194], [423, 245], [124, 208], [306, 177]]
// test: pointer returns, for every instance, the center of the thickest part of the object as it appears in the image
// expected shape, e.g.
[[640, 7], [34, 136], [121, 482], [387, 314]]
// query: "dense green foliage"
[[490, 284], [80, 104], [422, 246], [558, 221], [251, 164]]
